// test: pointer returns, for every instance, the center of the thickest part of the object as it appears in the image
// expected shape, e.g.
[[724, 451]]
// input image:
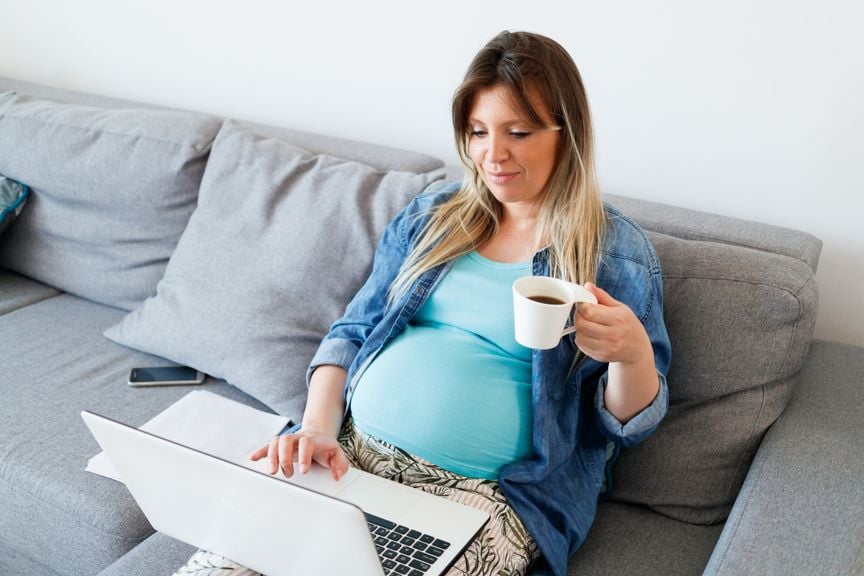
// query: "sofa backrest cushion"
[[376, 155], [112, 191], [279, 243], [740, 321]]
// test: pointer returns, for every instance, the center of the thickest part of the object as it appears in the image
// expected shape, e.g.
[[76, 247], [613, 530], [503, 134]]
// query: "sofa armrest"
[[801, 508]]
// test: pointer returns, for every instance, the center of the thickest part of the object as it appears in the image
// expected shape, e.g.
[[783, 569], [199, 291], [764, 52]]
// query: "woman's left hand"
[[609, 331]]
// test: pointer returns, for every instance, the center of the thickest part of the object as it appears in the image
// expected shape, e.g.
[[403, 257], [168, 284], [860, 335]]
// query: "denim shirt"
[[555, 493]]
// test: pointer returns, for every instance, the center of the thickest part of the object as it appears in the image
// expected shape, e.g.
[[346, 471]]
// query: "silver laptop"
[[307, 525]]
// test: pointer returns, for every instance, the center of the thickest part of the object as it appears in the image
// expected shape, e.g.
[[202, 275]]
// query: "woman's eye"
[[477, 133], [519, 134]]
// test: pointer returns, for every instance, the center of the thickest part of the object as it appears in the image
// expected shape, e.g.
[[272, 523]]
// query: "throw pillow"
[[740, 321], [112, 192], [13, 196], [279, 243]]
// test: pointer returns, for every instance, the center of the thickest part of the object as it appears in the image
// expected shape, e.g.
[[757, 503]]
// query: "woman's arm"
[[610, 332], [317, 438], [325, 405]]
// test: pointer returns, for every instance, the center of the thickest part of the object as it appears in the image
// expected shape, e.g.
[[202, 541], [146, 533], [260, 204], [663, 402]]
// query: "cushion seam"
[[742, 456], [727, 242], [792, 291], [34, 302], [795, 326]]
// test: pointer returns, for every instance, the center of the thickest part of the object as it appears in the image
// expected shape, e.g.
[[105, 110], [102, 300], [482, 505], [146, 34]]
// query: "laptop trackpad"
[[379, 496], [372, 494], [318, 478]]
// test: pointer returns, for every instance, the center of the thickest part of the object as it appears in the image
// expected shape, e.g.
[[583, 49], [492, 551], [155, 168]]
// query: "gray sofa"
[[156, 235]]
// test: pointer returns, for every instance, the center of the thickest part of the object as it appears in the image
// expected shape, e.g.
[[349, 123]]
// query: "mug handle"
[[567, 331], [572, 329]]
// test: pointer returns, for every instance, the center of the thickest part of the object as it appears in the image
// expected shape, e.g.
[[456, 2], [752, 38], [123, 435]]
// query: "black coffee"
[[547, 300]]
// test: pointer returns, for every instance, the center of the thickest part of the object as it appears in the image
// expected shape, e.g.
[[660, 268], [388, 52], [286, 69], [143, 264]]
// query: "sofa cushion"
[[56, 518], [279, 243], [13, 195], [740, 321], [16, 291], [159, 554], [112, 190], [375, 155], [627, 539]]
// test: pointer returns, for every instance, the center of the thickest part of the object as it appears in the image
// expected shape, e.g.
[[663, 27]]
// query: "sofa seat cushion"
[[17, 291], [628, 539], [279, 243], [740, 321], [157, 555], [625, 539], [61, 364], [111, 192]]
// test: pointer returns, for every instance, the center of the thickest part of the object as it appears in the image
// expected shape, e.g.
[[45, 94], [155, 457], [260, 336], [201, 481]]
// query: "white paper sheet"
[[209, 423]]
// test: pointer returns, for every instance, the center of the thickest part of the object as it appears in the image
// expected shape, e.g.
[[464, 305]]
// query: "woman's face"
[[514, 160]]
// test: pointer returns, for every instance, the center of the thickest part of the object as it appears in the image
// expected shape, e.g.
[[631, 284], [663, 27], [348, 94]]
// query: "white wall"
[[750, 108]]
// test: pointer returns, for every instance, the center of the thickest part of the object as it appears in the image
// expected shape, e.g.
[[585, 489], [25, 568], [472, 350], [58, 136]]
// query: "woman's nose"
[[497, 150]]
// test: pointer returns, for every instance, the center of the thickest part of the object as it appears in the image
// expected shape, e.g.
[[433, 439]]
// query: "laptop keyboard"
[[402, 550]]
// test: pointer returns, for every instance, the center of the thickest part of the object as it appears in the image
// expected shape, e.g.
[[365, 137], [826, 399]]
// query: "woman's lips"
[[501, 177]]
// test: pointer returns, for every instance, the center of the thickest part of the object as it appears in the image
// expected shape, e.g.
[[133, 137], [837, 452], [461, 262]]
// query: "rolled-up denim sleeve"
[[335, 351], [641, 425], [647, 298]]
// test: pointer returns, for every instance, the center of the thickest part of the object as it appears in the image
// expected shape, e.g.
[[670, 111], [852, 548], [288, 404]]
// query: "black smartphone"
[[165, 376]]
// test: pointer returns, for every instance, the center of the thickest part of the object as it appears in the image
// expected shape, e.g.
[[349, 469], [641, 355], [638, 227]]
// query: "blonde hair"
[[571, 216]]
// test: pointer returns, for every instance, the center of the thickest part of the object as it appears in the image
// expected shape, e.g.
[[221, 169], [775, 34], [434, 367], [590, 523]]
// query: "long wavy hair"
[[535, 71]]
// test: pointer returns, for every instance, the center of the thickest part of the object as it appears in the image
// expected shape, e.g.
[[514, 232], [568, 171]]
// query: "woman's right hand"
[[308, 445]]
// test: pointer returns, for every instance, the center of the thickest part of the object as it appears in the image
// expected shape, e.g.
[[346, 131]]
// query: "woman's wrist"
[[325, 404], [632, 384]]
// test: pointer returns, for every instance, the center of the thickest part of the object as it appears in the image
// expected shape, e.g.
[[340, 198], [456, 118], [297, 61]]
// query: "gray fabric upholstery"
[[375, 155], [112, 191], [159, 555], [255, 282], [740, 321], [16, 291], [632, 540], [695, 225], [68, 96], [54, 516], [380, 157], [801, 509]]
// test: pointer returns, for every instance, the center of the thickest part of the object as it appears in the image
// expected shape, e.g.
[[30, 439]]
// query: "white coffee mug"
[[541, 306]]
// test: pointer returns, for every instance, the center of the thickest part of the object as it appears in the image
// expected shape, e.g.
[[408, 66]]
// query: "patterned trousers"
[[503, 547]]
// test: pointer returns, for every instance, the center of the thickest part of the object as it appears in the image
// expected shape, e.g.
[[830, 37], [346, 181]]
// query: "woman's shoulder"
[[433, 195], [629, 269], [625, 239], [411, 220], [436, 193]]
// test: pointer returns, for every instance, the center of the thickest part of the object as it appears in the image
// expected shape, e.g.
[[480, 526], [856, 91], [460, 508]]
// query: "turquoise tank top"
[[455, 387]]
